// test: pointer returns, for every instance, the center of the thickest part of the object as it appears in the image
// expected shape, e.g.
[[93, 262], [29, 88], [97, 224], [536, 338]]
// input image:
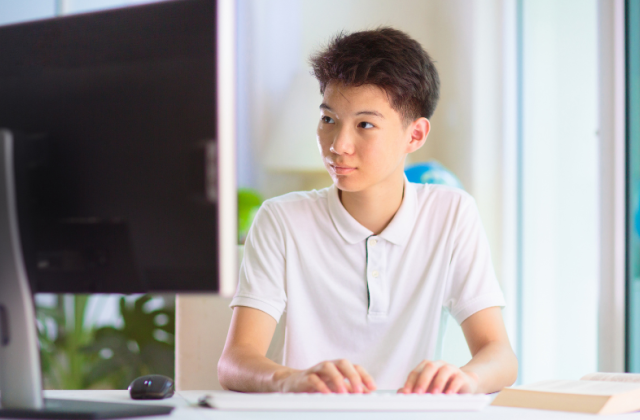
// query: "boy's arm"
[[493, 366], [244, 366], [494, 362]]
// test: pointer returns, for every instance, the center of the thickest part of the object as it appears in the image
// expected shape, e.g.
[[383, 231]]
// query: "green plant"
[[249, 201], [144, 345], [62, 337], [77, 356]]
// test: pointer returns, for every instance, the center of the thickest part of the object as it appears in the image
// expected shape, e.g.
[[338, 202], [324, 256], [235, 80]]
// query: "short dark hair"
[[384, 57]]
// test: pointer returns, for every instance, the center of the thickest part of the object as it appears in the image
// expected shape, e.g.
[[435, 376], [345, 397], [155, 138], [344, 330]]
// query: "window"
[[633, 186]]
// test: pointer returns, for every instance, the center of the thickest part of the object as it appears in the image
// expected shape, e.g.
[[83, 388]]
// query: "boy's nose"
[[342, 144]]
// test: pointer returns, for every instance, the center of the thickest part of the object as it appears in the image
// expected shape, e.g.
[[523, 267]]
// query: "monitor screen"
[[117, 170], [113, 116]]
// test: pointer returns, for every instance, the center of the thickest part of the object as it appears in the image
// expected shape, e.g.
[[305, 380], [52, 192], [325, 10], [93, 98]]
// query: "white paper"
[[615, 377], [582, 387]]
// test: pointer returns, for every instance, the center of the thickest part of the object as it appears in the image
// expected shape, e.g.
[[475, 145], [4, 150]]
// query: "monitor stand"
[[20, 375]]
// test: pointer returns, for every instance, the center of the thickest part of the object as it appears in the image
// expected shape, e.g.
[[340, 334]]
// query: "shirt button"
[[373, 242], [375, 273]]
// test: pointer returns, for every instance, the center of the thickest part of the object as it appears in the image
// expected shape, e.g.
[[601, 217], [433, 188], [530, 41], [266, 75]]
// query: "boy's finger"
[[426, 376], [412, 378], [440, 379], [454, 385], [348, 371], [367, 380], [330, 374], [317, 384]]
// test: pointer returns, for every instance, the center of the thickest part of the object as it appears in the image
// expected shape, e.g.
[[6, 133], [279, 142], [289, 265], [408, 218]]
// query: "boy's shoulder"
[[441, 195], [298, 199]]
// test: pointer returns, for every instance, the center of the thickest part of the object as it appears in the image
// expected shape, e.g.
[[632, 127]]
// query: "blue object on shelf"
[[431, 172]]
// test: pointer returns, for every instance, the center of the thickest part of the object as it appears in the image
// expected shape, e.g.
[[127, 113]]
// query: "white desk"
[[186, 408]]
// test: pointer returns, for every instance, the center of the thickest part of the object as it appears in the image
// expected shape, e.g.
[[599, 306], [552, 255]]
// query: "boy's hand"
[[439, 377], [328, 377]]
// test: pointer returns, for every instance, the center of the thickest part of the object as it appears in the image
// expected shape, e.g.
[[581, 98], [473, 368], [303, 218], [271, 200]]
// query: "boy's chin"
[[359, 183], [349, 185]]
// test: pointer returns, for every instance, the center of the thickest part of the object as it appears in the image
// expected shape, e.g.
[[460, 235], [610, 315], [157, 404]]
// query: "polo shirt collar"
[[398, 230], [348, 227], [400, 227]]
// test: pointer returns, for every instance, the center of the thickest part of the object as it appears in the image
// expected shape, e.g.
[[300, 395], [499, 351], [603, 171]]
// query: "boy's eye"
[[365, 125], [327, 120]]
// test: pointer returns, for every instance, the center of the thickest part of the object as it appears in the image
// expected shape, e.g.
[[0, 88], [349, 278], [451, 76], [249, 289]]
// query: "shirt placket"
[[377, 284]]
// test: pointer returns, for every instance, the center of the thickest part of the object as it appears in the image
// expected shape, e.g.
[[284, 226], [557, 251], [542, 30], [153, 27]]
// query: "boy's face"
[[362, 139]]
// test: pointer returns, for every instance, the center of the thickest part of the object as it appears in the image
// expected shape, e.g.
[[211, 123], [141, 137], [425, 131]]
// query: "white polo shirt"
[[376, 300]]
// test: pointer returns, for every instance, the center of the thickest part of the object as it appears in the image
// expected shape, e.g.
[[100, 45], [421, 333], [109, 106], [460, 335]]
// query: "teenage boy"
[[365, 270]]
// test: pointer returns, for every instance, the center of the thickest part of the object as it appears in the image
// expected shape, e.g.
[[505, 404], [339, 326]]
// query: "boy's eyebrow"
[[366, 112], [374, 113]]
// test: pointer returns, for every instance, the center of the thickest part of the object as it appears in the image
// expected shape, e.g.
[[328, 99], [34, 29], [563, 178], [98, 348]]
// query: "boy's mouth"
[[342, 170]]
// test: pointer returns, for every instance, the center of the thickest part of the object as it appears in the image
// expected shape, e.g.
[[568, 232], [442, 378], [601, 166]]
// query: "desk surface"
[[186, 408]]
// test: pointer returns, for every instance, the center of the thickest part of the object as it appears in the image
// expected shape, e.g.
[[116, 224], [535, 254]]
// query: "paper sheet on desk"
[[581, 387], [615, 377]]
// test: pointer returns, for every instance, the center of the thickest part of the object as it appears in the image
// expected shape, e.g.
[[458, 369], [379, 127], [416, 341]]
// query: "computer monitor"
[[110, 167]]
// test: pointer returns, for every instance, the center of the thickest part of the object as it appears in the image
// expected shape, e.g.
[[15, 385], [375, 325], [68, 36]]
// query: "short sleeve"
[[261, 283], [472, 284]]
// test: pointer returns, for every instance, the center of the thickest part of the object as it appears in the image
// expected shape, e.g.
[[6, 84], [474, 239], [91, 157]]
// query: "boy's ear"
[[418, 130]]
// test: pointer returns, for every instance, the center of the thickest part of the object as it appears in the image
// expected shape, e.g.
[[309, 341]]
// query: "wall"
[[12, 11], [560, 190]]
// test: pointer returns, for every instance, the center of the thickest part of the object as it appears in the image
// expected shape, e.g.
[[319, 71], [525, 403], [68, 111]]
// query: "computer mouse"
[[151, 387]]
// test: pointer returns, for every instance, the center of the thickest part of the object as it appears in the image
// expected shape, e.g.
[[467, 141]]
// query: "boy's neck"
[[375, 207]]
